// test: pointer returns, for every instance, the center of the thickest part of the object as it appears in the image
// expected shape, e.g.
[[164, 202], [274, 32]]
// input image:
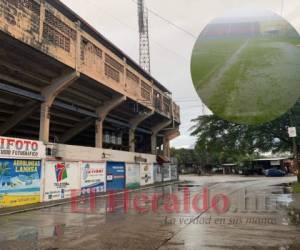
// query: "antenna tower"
[[144, 36]]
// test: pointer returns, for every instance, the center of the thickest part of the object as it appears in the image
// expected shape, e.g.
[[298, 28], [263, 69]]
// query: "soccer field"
[[250, 80]]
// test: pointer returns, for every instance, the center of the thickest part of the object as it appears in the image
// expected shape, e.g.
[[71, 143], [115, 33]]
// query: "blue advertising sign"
[[115, 176], [19, 182]]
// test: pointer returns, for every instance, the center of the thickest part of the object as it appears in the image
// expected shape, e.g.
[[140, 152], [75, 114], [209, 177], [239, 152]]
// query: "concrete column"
[[132, 139], [168, 137], [102, 112], [50, 93], [134, 123], [99, 133], [166, 147], [154, 144], [44, 123], [155, 130]]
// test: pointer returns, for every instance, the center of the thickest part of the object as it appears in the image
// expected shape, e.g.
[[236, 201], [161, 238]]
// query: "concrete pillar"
[[102, 112], [132, 139], [155, 130], [99, 133], [154, 144], [44, 123], [168, 137], [166, 147], [134, 123], [50, 93]]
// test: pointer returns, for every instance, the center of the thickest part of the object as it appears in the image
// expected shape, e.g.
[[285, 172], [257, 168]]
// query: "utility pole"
[[295, 146], [144, 36]]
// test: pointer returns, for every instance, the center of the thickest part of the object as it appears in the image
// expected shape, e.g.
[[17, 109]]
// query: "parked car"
[[273, 172]]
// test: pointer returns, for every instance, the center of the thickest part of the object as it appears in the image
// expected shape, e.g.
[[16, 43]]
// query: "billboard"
[[19, 182], [146, 174], [60, 179], [93, 176], [21, 148], [132, 176], [115, 176], [167, 172], [157, 171]]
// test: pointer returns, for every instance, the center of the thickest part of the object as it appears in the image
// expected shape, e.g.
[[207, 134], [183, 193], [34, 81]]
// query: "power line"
[[170, 22], [136, 32]]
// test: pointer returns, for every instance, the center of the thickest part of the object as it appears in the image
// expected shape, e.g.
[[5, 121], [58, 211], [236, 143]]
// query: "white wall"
[[68, 152]]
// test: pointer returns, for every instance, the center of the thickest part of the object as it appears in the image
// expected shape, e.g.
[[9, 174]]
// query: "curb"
[[56, 204]]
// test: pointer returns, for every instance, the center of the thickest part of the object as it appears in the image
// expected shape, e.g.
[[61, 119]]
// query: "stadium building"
[[63, 83]]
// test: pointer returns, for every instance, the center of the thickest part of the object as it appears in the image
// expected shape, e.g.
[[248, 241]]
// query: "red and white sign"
[[21, 148]]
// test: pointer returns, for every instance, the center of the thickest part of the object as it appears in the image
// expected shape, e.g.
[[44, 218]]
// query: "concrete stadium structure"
[[63, 83]]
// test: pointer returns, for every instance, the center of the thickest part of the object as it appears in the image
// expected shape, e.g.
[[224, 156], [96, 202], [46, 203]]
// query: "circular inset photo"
[[246, 66]]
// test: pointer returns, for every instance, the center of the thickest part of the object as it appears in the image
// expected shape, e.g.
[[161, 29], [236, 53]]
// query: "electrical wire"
[[170, 22], [136, 31]]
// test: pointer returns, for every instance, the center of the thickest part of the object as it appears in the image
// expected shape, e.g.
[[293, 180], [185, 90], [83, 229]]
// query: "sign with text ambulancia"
[[21, 148]]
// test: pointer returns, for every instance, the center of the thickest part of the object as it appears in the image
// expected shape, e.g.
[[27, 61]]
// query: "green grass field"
[[247, 80]]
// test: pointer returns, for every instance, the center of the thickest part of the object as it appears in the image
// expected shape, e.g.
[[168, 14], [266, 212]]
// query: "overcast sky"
[[170, 48]]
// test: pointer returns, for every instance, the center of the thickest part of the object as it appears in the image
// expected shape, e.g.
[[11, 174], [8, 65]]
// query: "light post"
[[293, 135]]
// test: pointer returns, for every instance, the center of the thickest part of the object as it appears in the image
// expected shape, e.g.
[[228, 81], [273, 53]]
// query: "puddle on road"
[[44, 233], [189, 185]]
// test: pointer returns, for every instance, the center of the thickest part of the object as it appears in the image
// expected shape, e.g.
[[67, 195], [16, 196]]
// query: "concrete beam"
[[134, 123], [19, 116], [102, 112], [109, 105], [155, 130], [50, 93], [172, 134], [58, 85], [78, 128]]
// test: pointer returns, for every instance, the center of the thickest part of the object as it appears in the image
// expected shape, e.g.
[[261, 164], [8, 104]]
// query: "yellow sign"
[[18, 200]]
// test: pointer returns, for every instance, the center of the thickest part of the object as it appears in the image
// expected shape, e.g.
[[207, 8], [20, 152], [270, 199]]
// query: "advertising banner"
[[21, 148], [174, 174], [60, 179], [157, 173], [167, 172], [132, 176], [93, 176], [19, 182], [115, 176], [146, 174]]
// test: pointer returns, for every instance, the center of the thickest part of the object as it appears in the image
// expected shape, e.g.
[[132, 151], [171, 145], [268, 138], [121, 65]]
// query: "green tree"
[[228, 142], [186, 156]]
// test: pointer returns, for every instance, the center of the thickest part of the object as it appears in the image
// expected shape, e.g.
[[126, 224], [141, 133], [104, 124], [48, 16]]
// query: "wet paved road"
[[261, 215]]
